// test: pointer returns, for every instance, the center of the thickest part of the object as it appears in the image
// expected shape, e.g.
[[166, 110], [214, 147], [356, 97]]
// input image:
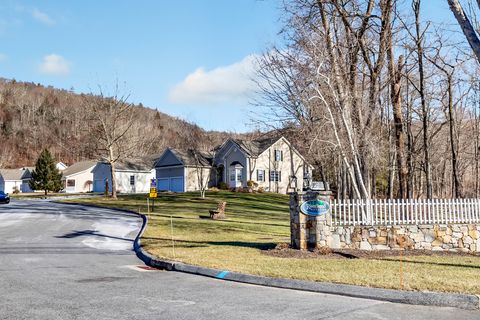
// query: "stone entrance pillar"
[[308, 231]]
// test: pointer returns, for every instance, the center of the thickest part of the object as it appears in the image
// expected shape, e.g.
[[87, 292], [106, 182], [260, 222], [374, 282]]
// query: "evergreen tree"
[[46, 175]]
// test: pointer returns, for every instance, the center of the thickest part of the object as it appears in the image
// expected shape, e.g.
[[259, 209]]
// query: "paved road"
[[69, 262]]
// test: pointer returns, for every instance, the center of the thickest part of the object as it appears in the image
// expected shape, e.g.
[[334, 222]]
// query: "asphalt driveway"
[[72, 262]]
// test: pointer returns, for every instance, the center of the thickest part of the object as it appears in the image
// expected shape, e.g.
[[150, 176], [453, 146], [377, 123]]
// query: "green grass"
[[256, 222]]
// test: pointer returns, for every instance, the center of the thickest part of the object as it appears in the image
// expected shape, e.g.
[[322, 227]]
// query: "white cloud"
[[55, 65], [227, 84], [42, 17]]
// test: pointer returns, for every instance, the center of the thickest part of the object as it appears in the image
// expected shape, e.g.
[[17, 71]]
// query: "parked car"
[[4, 197]]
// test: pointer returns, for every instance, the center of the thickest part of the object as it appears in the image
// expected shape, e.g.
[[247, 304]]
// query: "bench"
[[218, 213]]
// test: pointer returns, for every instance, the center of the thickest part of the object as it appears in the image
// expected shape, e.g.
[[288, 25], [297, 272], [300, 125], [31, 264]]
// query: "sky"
[[193, 59]]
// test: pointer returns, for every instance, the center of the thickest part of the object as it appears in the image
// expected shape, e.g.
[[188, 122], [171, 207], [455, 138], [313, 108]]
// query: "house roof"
[[14, 174], [189, 157], [142, 164], [79, 167], [255, 147]]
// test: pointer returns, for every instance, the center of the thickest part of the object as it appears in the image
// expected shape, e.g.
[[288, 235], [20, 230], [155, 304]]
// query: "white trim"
[[185, 181]]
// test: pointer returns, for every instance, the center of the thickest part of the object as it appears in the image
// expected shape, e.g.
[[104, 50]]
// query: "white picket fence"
[[404, 211]]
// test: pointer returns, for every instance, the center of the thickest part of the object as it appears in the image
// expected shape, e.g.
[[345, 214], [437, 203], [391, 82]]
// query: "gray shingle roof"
[[144, 164], [79, 167], [255, 147], [189, 157], [14, 174]]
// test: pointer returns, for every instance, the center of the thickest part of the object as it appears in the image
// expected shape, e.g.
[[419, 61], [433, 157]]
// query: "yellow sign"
[[153, 192]]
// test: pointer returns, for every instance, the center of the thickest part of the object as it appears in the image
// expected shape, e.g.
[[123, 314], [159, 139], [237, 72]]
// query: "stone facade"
[[307, 231]]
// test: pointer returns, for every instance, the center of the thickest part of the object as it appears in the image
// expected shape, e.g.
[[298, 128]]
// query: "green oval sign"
[[315, 207]]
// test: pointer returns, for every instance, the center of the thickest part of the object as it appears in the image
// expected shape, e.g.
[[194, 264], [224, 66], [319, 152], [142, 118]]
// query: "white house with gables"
[[132, 176], [12, 180]]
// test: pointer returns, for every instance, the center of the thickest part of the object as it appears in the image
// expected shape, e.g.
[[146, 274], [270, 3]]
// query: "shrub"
[[251, 183], [223, 186], [16, 191], [261, 190]]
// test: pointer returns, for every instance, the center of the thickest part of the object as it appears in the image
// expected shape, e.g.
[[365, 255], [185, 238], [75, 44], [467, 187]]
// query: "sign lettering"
[[315, 207]]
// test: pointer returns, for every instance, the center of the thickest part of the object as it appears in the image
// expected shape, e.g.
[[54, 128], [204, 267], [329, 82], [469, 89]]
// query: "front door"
[[235, 177]]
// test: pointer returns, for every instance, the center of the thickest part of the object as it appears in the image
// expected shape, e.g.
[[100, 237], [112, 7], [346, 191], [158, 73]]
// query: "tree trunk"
[[466, 26], [396, 76], [426, 152], [410, 165], [112, 171], [456, 183]]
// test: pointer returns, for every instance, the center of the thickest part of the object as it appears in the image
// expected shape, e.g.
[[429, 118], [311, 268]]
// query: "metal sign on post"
[[315, 207], [153, 192]]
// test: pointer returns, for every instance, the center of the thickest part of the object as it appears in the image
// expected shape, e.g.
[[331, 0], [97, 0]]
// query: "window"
[[132, 180], [239, 174], [275, 176], [278, 155], [260, 175], [70, 183], [232, 175]]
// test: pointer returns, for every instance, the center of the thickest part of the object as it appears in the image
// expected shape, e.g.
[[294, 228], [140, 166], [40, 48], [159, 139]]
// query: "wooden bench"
[[218, 213]]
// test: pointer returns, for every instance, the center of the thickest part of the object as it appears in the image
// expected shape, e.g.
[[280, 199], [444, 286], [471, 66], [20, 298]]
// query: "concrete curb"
[[463, 301]]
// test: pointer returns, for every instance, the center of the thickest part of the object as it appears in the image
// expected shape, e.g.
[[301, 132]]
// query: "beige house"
[[79, 177], [272, 164]]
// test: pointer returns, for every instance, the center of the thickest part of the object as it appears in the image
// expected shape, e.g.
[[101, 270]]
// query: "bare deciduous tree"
[[114, 118]]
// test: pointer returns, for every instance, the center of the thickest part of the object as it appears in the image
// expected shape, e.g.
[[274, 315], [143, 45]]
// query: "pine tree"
[[46, 175]]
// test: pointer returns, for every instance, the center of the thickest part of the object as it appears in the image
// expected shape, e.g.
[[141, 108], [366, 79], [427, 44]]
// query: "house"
[[182, 170], [132, 176], [61, 166], [273, 164], [79, 177], [12, 180]]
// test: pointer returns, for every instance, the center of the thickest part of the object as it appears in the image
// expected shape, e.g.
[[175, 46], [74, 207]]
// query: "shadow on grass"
[[456, 265], [243, 244]]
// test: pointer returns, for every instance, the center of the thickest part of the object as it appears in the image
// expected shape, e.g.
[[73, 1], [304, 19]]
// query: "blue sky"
[[189, 58]]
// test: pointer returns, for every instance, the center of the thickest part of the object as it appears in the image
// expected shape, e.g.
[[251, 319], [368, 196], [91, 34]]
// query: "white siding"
[[102, 172]]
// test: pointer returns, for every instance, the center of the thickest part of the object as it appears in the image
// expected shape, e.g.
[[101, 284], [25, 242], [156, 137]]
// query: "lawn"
[[180, 230]]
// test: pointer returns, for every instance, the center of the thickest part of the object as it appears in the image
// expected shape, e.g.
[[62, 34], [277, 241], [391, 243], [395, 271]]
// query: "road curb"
[[463, 301]]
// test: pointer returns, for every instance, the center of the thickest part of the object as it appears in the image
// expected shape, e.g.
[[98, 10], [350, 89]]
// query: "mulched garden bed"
[[283, 250]]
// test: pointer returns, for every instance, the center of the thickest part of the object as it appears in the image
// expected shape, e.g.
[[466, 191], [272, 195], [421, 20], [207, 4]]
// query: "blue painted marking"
[[222, 274]]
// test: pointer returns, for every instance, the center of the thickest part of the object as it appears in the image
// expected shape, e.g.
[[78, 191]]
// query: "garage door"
[[98, 186], [174, 184], [163, 184]]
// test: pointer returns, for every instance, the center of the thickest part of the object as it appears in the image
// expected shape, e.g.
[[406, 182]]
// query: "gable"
[[226, 149], [168, 159], [283, 142]]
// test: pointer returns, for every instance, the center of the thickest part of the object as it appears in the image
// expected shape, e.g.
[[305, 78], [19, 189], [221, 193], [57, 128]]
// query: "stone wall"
[[465, 238], [307, 231]]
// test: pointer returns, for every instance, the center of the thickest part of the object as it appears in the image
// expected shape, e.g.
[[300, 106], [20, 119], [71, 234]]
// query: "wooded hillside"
[[34, 117]]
